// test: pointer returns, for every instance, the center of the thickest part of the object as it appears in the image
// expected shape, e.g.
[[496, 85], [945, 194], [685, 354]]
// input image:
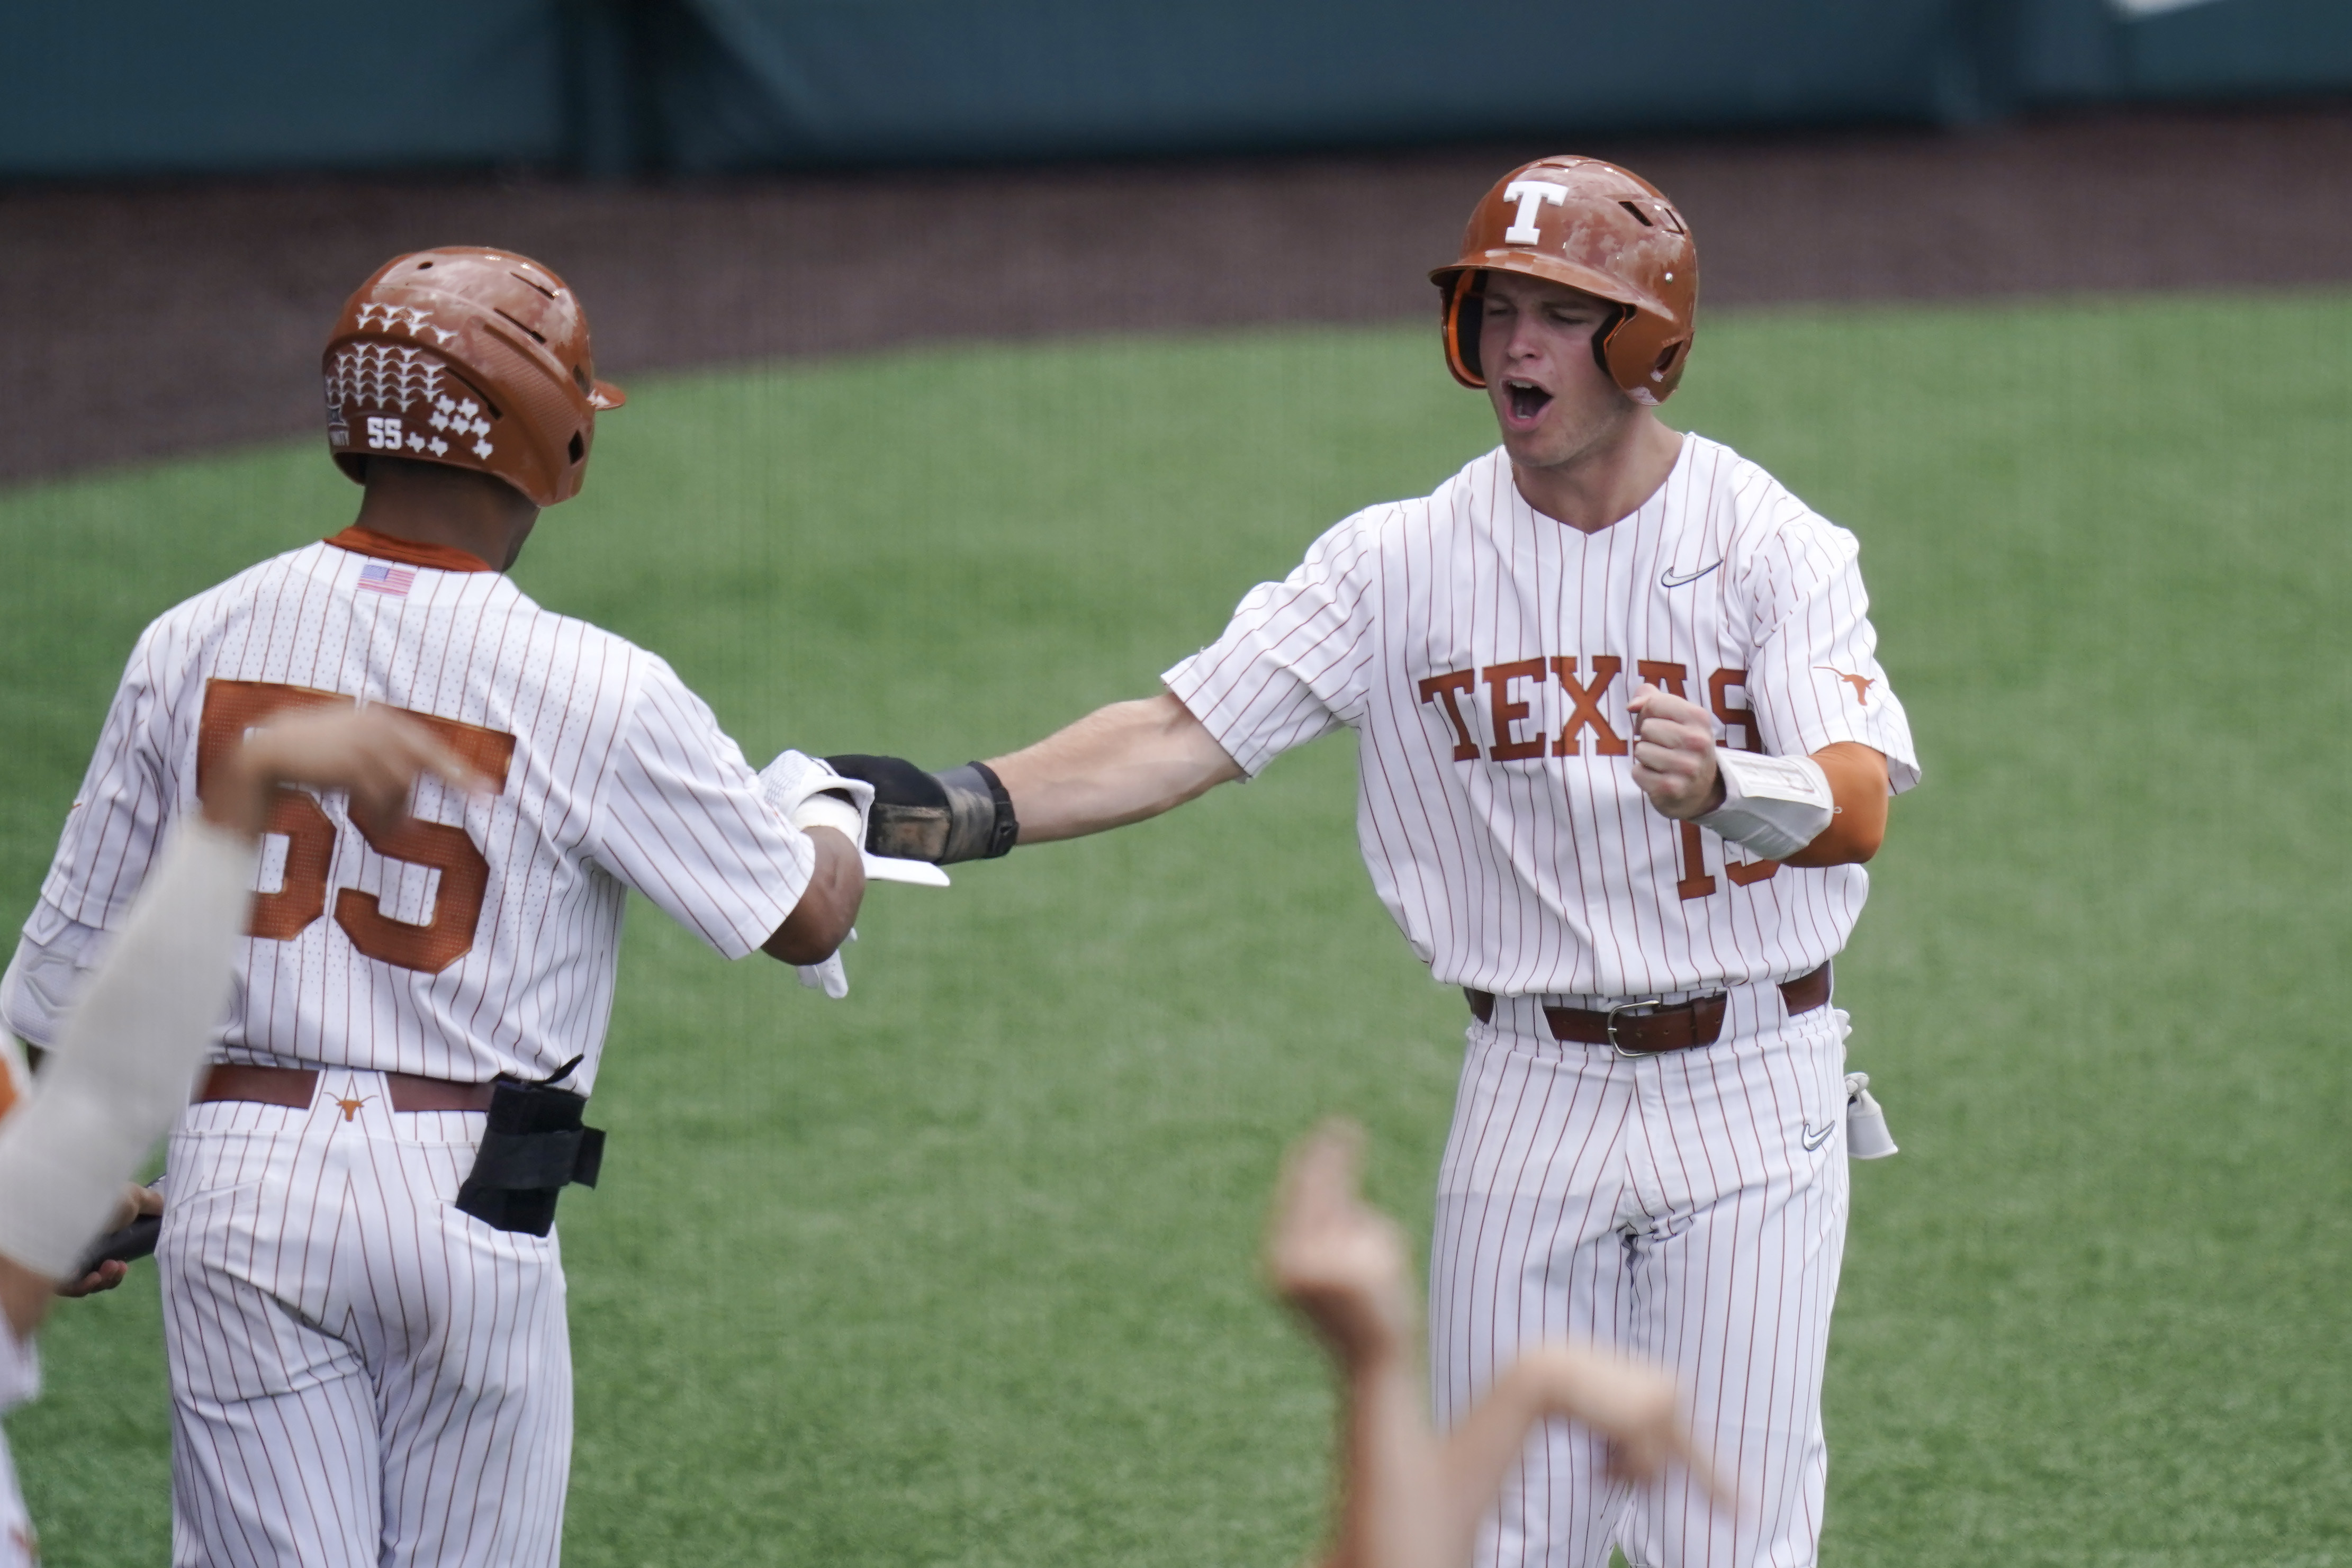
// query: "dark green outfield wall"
[[116, 86]]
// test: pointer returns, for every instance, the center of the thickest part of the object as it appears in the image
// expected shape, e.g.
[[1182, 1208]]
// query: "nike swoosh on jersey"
[[1668, 580], [1812, 1139]]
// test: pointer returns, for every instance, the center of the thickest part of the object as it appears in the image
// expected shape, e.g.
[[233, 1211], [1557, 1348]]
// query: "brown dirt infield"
[[146, 320]]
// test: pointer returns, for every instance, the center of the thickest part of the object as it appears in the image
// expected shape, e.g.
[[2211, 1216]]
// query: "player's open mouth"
[[1528, 399]]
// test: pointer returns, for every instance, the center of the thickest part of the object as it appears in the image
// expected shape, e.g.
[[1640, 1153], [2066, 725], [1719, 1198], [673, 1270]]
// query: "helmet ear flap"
[[1465, 300], [1604, 336], [1643, 355]]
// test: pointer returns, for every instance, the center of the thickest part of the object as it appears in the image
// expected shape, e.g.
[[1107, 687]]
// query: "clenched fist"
[[1674, 754]]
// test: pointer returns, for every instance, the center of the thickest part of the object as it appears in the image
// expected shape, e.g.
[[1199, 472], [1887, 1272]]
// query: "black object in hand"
[[136, 1239]]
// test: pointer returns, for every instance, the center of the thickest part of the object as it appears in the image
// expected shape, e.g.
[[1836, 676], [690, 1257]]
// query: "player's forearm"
[[820, 922], [1118, 764], [1837, 795], [1857, 776]]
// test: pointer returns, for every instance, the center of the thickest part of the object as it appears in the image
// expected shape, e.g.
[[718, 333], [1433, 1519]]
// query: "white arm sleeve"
[[129, 1053]]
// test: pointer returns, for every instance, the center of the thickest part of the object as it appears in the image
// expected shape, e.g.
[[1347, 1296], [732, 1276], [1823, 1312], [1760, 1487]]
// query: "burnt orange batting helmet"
[[475, 358], [1595, 227]]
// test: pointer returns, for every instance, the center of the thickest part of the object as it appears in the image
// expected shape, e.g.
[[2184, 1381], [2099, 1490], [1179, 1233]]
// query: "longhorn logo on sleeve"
[[1860, 684]]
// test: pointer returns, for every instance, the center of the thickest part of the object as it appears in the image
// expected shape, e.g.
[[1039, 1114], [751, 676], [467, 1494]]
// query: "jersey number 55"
[[233, 707]]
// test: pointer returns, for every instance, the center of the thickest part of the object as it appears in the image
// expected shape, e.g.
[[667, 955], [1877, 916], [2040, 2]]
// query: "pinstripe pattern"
[[1666, 1206], [1550, 874], [1485, 656], [360, 1373], [622, 779]]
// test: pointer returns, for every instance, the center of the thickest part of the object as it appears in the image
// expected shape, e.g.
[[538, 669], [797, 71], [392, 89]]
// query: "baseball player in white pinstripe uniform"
[[1623, 743], [363, 1296], [141, 1028]]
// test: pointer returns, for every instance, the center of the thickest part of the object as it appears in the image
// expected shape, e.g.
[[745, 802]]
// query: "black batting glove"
[[963, 813]]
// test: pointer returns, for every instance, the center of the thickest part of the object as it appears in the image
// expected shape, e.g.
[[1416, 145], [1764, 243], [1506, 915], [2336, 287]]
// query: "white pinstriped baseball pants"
[[361, 1374], [1668, 1207]]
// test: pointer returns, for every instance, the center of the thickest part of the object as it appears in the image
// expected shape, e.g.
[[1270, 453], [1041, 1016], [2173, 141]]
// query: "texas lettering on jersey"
[[1490, 732], [1484, 654]]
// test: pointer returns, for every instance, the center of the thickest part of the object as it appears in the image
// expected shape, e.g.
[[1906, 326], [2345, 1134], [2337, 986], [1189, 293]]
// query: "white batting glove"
[[829, 976], [1867, 1137], [807, 793]]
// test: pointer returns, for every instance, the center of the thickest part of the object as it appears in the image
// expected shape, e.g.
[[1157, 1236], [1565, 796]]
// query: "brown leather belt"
[[295, 1087], [1641, 1029]]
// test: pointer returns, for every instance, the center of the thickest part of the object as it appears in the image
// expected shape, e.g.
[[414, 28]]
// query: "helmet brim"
[[1554, 269]]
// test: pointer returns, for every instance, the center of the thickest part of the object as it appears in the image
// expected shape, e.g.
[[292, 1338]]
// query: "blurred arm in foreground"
[[131, 1047], [1410, 1498]]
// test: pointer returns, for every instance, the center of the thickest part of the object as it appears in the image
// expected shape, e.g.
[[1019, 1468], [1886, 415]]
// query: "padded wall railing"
[[113, 88]]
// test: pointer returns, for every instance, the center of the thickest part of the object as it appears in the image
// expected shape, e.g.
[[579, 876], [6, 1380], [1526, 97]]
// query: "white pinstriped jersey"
[[1485, 653], [481, 938]]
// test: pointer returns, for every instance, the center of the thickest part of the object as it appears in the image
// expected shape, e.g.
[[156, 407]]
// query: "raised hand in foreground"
[[1410, 1500]]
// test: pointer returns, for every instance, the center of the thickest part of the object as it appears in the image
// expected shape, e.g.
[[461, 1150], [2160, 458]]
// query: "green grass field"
[[960, 1271]]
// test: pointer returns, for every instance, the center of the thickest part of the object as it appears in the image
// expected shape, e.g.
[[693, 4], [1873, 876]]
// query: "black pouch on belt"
[[533, 1147]]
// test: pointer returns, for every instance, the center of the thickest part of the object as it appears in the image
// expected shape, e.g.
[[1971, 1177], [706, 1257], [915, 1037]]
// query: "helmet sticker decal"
[[414, 320], [458, 418], [377, 376], [1533, 196]]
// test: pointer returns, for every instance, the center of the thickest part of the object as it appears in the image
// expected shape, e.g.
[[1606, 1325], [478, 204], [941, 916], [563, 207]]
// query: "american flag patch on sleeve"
[[377, 577]]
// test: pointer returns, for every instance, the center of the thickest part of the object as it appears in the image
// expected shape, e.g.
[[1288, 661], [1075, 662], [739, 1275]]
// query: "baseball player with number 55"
[[1624, 746], [362, 1291]]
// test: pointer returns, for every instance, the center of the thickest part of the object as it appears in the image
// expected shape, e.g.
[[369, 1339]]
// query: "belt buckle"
[[1612, 1025]]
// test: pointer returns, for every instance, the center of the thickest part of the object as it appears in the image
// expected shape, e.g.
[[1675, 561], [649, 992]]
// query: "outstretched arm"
[[1408, 1500], [1118, 764]]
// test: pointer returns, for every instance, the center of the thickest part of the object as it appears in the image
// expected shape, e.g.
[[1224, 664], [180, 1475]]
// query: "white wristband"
[[1774, 807], [829, 810], [129, 1053], [807, 793]]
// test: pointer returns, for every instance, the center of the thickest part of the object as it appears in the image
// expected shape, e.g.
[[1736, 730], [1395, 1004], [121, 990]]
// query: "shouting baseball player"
[[1623, 744], [363, 1298]]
